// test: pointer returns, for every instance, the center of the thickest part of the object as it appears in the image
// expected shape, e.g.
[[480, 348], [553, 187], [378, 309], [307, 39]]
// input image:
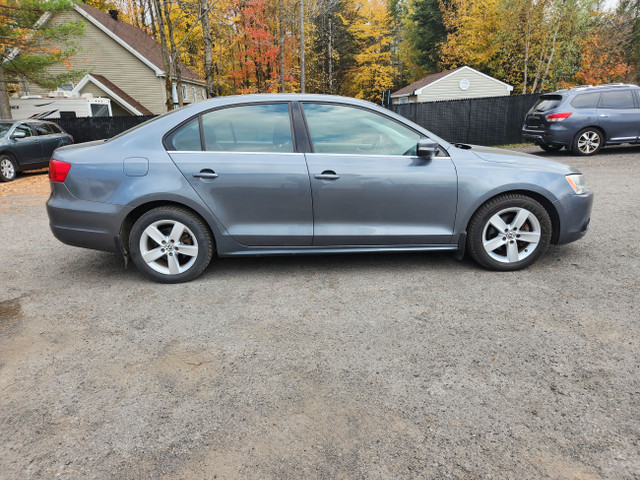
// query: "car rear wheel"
[[551, 148], [171, 245], [8, 168], [587, 141], [509, 232]]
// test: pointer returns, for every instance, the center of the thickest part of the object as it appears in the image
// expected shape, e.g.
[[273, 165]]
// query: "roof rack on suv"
[[605, 85]]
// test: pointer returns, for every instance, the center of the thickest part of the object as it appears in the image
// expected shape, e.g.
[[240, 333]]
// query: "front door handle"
[[602, 115], [327, 175], [208, 174]]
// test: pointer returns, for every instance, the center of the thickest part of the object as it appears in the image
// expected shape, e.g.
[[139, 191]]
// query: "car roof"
[[594, 88]]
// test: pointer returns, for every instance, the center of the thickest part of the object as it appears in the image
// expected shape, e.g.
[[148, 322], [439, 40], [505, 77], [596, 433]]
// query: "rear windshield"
[[4, 128], [547, 102]]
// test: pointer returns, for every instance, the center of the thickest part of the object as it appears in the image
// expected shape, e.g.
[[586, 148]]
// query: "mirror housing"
[[18, 134], [427, 148]]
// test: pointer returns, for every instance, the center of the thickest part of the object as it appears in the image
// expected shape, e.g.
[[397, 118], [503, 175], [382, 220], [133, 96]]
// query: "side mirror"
[[18, 134], [427, 148]]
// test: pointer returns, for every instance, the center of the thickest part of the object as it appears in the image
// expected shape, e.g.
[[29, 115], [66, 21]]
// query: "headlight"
[[576, 180]]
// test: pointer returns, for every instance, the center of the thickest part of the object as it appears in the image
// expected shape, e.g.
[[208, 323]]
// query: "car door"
[[242, 162], [49, 140], [369, 187], [619, 116], [28, 149]]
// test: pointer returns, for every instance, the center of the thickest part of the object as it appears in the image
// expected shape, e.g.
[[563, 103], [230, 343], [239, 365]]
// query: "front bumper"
[[574, 212], [83, 223]]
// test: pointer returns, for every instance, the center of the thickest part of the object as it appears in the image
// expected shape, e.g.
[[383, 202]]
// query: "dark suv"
[[28, 144], [585, 118]]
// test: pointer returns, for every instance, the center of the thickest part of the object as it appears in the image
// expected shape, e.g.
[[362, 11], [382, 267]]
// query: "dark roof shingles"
[[122, 94], [137, 39], [423, 82]]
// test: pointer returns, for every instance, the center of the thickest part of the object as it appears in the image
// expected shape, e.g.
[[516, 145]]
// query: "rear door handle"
[[327, 175], [208, 174], [602, 115]]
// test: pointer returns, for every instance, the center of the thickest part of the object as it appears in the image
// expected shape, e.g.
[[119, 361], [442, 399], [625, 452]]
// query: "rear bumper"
[[574, 212], [83, 223], [552, 135]]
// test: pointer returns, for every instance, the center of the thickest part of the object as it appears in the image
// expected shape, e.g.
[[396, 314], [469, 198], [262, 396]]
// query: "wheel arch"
[[593, 126], [133, 216], [538, 197], [13, 156]]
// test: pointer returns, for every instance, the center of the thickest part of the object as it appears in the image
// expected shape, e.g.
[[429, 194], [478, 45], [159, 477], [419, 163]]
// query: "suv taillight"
[[58, 170], [558, 117]]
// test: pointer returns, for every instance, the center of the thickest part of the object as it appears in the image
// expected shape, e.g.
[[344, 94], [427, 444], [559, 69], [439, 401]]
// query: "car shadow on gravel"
[[605, 152]]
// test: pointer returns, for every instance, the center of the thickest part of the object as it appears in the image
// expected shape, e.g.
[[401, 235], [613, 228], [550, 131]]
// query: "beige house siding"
[[100, 54], [448, 88]]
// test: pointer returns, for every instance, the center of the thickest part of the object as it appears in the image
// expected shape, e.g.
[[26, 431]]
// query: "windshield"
[[4, 128], [547, 102]]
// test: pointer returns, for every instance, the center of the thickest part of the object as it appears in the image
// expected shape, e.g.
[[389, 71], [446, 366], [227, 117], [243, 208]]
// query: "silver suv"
[[585, 118]]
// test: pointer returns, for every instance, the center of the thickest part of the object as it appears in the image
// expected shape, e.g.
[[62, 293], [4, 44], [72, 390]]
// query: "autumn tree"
[[30, 43], [372, 73]]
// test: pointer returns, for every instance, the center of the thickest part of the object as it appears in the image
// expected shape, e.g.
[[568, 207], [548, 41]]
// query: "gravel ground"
[[364, 366]]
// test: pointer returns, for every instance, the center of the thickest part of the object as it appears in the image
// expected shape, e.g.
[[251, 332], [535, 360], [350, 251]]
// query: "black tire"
[[512, 251], [194, 237], [8, 168], [587, 141], [551, 148]]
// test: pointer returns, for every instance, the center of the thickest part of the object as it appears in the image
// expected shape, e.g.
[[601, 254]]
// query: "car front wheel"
[[509, 232], [587, 141], [171, 245], [7, 168]]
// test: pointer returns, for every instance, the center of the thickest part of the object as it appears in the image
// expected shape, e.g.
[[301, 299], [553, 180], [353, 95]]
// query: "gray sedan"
[[305, 174], [28, 144]]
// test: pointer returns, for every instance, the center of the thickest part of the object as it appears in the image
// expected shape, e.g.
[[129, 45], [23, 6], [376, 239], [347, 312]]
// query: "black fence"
[[87, 129], [480, 121]]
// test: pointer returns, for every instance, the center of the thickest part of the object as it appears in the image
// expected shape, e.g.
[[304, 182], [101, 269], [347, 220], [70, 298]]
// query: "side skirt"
[[257, 251]]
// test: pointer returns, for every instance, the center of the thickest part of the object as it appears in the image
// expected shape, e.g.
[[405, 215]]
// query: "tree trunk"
[[208, 49], [5, 107], [174, 52], [302, 79], [280, 32], [166, 61]]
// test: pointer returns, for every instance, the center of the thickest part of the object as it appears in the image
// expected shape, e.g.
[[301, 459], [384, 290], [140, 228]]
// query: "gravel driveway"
[[362, 366]]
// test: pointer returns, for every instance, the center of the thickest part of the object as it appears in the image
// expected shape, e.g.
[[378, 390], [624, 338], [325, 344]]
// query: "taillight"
[[558, 117], [58, 170], [71, 138]]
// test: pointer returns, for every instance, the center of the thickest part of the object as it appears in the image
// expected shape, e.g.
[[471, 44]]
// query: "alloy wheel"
[[589, 142], [168, 247], [511, 235], [7, 169]]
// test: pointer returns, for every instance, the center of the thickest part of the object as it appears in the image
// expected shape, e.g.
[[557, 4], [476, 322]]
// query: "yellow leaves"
[[371, 28], [472, 25]]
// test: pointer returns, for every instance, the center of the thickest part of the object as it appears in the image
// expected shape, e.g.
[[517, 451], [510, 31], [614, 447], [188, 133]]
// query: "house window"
[[185, 95], [193, 92], [204, 95]]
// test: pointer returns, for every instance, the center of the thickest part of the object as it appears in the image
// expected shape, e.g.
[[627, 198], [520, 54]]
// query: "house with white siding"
[[463, 82], [125, 65]]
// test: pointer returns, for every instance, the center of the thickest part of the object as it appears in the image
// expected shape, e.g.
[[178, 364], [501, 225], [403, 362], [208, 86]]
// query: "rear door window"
[[547, 102], [42, 129], [586, 100], [185, 138], [617, 100], [249, 128]]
